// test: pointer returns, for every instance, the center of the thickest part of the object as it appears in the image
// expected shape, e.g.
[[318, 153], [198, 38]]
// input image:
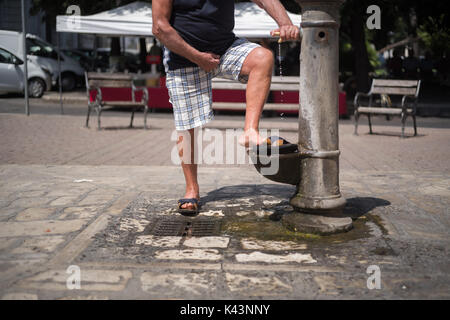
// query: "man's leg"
[[186, 147], [190, 94], [258, 67]]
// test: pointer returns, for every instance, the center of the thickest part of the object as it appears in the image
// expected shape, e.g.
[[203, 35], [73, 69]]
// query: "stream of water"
[[281, 75]]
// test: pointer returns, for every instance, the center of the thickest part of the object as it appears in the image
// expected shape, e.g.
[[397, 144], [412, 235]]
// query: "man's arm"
[[161, 12], [276, 10]]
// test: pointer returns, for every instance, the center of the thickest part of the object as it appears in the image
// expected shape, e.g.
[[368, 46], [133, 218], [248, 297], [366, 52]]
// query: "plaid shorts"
[[190, 89]]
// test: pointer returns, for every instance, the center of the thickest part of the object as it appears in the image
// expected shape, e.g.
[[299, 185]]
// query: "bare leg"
[[258, 66], [186, 147]]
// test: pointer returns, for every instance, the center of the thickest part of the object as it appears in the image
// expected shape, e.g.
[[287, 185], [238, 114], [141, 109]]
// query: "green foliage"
[[373, 56], [435, 35], [400, 30]]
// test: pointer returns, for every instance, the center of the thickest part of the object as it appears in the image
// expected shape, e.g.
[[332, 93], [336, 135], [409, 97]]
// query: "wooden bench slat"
[[394, 90], [278, 79], [394, 111], [240, 86], [110, 83], [284, 79], [107, 76], [278, 83], [122, 103], [285, 87], [267, 106], [229, 86], [275, 79], [395, 83]]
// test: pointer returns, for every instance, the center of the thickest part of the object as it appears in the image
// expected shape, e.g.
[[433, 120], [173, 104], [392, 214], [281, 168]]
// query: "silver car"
[[45, 55], [12, 75]]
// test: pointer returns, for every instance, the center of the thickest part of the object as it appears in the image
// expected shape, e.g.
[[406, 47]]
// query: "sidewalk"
[[105, 201]]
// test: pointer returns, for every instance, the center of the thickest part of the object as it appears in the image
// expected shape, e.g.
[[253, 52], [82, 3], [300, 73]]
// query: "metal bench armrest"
[[99, 96], [413, 102], [144, 90], [358, 95]]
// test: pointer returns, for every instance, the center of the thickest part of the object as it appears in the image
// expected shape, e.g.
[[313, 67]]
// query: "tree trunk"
[[48, 28], [143, 54], [361, 58]]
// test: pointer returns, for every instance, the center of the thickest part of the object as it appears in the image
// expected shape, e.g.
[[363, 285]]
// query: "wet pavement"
[[117, 226], [104, 203]]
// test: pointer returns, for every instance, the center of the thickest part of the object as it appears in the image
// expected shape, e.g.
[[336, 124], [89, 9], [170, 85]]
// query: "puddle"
[[267, 229], [260, 219], [383, 251]]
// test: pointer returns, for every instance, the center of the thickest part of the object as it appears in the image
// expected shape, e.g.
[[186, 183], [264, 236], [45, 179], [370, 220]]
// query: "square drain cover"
[[186, 227]]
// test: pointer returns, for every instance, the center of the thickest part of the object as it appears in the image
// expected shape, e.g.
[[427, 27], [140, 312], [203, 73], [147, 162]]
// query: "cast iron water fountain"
[[314, 169]]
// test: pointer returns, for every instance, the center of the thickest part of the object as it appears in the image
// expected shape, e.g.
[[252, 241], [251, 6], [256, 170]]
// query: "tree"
[[435, 35], [353, 27], [400, 19]]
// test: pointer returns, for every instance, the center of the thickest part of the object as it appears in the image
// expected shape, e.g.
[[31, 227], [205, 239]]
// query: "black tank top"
[[207, 25]]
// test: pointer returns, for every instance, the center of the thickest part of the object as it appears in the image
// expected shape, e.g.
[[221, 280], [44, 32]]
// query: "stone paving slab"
[[405, 233]]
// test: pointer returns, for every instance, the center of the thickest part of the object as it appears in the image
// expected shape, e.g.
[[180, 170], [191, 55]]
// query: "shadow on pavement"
[[394, 134], [359, 206], [249, 191], [354, 208]]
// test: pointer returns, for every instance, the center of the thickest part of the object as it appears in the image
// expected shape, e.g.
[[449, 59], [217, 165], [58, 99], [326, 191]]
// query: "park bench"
[[278, 83], [96, 81], [408, 90]]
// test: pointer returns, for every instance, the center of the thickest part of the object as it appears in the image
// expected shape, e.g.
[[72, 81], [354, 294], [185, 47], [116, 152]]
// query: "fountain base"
[[322, 216], [316, 224]]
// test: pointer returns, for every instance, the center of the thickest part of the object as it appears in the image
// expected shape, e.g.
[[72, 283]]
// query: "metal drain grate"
[[203, 228], [168, 228], [186, 228]]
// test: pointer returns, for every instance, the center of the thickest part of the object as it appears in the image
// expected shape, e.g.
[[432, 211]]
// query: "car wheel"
[[68, 82], [36, 87]]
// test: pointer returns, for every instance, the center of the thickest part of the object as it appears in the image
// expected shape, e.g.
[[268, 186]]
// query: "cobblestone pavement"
[[105, 201]]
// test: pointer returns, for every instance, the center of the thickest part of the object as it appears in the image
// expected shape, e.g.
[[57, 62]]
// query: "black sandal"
[[193, 201]]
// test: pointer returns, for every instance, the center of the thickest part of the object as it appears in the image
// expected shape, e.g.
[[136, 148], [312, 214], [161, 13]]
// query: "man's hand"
[[207, 61], [287, 32]]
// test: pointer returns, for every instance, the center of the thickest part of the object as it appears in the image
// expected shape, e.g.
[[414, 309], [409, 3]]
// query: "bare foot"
[[250, 137]]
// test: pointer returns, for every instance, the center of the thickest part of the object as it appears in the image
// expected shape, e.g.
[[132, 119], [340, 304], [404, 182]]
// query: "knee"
[[263, 58]]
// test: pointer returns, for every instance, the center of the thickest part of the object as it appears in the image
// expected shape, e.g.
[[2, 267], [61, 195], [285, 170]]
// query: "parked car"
[[127, 61], [45, 55], [101, 61], [12, 75], [87, 62]]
